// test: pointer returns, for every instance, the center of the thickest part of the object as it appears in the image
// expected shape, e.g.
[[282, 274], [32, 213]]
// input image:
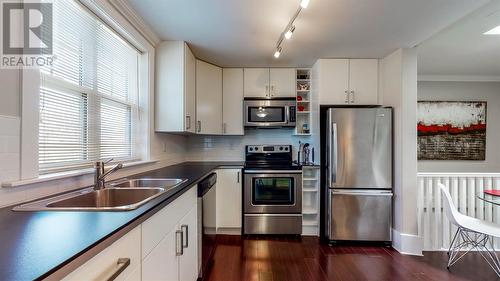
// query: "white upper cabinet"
[[269, 82], [363, 82], [256, 82], [190, 92], [282, 82], [332, 80], [208, 98], [175, 88], [232, 101], [346, 81]]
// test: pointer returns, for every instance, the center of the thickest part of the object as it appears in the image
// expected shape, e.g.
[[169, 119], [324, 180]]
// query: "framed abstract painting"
[[451, 130]]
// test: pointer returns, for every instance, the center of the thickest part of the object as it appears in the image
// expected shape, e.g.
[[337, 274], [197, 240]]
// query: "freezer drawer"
[[359, 215]]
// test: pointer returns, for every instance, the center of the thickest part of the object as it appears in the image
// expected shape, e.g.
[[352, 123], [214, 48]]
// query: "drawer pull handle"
[[122, 264], [185, 230], [179, 237]]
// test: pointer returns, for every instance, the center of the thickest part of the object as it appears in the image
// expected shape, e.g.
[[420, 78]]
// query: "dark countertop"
[[37, 244]]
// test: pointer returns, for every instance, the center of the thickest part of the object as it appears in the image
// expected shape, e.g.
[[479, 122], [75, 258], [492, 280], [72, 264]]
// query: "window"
[[88, 97]]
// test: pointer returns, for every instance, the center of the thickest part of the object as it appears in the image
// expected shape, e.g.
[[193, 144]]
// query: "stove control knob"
[[281, 147], [256, 148], [286, 148], [250, 148]]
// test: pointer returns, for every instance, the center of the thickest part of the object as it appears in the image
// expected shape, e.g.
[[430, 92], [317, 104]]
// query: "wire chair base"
[[468, 240]]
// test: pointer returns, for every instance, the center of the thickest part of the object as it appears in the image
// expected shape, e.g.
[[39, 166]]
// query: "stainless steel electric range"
[[272, 195]]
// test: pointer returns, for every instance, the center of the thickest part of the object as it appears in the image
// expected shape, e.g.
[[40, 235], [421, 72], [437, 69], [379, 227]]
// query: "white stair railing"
[[433, 226]]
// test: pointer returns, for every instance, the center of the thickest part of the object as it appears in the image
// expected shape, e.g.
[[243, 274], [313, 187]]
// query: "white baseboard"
[[407, 244]]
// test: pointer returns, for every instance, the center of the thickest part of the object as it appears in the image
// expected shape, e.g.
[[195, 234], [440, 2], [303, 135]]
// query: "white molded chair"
[[472, 234]]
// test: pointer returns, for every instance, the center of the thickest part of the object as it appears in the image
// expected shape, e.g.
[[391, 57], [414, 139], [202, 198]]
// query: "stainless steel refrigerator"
[[358, 174]]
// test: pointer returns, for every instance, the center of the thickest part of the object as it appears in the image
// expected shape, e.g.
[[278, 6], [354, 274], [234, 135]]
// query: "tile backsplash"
[[232, 148]]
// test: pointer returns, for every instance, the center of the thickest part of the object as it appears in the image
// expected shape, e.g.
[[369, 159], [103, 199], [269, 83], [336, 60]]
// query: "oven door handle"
[[273, 171]]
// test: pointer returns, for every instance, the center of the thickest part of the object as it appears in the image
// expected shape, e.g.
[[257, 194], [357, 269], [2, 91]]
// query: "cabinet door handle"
[[238, 177], [188, 122], [352, 96], [272, 91], [267, 91], [185, 231], [199, 126], [179, 250], [122, 264], [346, 96]]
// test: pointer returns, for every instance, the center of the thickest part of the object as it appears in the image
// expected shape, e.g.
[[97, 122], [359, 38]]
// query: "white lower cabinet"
[[109, 262], [229, 201], [164, 247], [162, 262], [188, 261], [175, 257]]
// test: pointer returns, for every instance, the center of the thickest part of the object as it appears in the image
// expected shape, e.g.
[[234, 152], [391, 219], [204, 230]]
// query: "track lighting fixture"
[[290, 28]]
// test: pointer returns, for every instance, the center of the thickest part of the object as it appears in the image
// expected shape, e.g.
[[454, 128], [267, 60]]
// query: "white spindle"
[[428, 210], [446, 224], [479, 202]]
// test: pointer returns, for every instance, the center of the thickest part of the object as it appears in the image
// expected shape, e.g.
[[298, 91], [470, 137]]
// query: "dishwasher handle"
[[206, 184]]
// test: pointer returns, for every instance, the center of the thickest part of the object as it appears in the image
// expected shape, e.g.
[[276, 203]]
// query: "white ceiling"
[[244, 32], [462, 49]]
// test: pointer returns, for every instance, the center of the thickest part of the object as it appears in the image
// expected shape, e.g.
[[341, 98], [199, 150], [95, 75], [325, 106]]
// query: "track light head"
[[278, 52], [304, 3], [289, 32]]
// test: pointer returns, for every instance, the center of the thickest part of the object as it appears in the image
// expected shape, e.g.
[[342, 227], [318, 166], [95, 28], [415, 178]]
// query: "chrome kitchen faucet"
[[100, 174]]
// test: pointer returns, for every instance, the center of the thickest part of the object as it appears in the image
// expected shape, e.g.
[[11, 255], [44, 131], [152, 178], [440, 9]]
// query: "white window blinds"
[[88, 97]]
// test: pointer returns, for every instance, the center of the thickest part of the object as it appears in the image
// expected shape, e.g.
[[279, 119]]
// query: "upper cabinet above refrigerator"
[[346, 81], [269, 82]]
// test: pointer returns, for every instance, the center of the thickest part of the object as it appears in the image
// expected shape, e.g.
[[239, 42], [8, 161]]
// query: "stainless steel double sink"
[[120, 195]]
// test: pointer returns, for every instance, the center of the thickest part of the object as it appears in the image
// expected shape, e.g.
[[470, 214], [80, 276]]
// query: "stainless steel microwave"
[[270, 113]]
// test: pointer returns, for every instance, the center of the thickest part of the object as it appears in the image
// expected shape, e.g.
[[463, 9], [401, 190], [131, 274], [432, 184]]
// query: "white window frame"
[[30, 88]]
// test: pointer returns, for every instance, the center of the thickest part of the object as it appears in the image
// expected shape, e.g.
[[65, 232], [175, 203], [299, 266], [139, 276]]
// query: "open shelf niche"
[[310, 200], [303, 90]]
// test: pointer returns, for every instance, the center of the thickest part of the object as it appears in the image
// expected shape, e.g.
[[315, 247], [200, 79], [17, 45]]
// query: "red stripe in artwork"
[[447, 128]]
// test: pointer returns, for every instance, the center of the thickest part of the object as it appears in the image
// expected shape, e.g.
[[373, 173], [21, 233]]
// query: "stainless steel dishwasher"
[[207, 226]]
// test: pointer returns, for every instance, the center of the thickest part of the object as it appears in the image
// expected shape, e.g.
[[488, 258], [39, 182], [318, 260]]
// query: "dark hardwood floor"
[[305, 259]]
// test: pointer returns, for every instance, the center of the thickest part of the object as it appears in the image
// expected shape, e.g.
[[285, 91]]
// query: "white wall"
[[9, 98], [467, 91], [398, 85]]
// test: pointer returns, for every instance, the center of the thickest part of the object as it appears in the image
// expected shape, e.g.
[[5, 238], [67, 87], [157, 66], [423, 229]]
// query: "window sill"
[[64, 175]]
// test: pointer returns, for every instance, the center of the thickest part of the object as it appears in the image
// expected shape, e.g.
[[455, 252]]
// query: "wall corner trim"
[[407, 244], [124, 8]]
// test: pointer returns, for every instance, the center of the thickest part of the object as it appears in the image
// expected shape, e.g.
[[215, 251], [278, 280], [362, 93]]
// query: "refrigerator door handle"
[[362, 193], [332, 157]]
